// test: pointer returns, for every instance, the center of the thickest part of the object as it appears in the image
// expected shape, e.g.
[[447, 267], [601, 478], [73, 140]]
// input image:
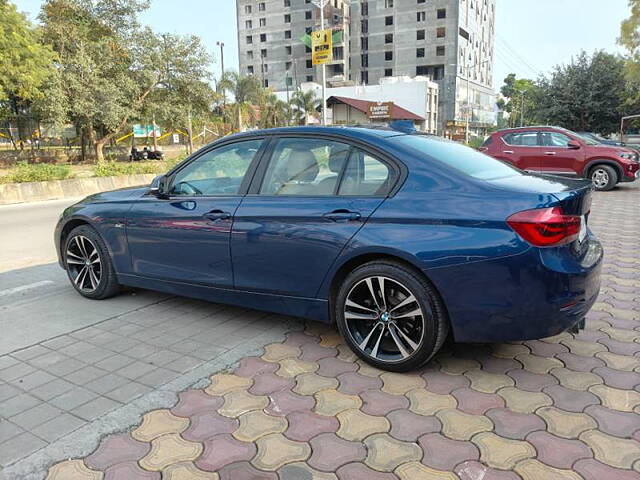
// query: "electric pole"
[[224, 94], [522, 108]]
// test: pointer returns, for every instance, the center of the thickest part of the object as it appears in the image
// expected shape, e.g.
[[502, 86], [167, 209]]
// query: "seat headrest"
[[337, 157], [302, 166]]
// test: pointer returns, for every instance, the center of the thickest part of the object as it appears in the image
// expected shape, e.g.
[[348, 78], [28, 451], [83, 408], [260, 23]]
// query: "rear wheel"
[[604, 177], [391, 316], [88, 264]]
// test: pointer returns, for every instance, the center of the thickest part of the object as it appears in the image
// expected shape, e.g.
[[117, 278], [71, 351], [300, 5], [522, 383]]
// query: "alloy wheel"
[[83, 263], [600, 178], [384, 319]]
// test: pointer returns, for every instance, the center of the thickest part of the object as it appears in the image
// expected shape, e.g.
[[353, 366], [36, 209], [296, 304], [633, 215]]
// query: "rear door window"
[[554, 139], [521, 139], [365, 175]]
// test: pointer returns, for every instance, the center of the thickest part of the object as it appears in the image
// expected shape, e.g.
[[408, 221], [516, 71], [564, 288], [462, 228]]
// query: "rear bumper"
[[537, 294]]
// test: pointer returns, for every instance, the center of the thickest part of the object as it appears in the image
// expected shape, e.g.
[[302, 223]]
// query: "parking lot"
[[147, 383]]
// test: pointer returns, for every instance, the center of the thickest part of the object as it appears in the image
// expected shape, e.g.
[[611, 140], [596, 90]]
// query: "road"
[[36, 300]]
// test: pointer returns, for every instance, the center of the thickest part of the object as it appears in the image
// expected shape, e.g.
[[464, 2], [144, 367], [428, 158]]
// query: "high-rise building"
[[450, 41]]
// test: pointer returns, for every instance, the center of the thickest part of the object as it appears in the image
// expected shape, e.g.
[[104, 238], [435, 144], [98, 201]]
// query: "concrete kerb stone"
[[86, 439], [11, 193]]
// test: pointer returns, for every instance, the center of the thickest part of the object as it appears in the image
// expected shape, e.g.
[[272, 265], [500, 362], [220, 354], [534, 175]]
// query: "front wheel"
[[391, 316], [88, 264], [604, 177]]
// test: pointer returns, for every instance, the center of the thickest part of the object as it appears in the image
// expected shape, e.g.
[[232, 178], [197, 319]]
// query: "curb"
[[75, 187]]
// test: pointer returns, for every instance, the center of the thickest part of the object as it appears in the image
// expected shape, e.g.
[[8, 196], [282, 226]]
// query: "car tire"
[[604, 177], [402, 340], [85, 251]]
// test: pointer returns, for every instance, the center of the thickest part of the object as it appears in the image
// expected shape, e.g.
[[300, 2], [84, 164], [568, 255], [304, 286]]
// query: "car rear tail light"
[[545, 227]]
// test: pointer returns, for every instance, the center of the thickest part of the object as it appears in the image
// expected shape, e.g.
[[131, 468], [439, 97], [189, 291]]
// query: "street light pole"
[[321, 4], [522, 108], [224, 94]]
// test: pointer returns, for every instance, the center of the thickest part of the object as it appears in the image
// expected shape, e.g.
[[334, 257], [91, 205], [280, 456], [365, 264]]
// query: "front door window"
[[217, 172]]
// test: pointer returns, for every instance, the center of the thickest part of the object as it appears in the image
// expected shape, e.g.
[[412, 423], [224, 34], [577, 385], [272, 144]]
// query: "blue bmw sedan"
[[400, 239]]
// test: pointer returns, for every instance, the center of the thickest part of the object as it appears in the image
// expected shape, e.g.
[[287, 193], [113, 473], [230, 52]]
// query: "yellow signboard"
[[321, 47]]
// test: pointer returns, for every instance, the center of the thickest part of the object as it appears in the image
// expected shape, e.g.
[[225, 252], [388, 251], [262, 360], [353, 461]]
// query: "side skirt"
[[309, 308]]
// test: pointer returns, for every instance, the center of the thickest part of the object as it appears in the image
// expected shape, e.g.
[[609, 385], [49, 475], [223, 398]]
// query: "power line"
[[502, 43]]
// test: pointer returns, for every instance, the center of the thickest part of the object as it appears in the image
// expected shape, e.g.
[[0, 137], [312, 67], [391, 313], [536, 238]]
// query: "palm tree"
[[273, 112], [305, 104], [246, 91]]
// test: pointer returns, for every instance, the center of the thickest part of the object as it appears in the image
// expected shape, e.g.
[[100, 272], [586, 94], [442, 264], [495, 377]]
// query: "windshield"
[[591, 138], [464, 159]]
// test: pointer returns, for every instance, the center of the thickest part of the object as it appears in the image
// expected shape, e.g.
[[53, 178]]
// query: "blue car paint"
[[283, 256]]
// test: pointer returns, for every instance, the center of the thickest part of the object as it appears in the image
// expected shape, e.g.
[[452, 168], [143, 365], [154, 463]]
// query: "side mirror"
[[573, 145], [158, 186]]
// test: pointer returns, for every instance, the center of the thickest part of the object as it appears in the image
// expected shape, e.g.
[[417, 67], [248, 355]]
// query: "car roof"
[[362, 132], [529, 127]]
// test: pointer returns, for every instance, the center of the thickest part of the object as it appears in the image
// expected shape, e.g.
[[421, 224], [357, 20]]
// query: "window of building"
[[307, 15], [250, 69], [289, 81], [263, 53], [309, 78], [287, 65], [287, 34], [388, 3], [249, 39], [266, 83], [420, 35], [388, 72], [388, 38], [308, 30], [440, 51], [364, 26], [250, 54], [263, 22], [263, 37], [441, 13], [309, 64], [388, 20], [421, 16], [364, 60], [388, 56], [247, 9], [248, 24], [264, 68], [441, 32], [421, 1], [364, 42], [262, 7], [364, 77], [364, 8], [288, 49], [419, 52], [287, 18], [287, 3]]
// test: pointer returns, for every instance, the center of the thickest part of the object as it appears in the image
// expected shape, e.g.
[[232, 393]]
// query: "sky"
[[532, 36]]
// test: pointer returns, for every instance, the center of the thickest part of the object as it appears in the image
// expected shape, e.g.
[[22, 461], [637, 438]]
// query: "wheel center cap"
[[384, 316]]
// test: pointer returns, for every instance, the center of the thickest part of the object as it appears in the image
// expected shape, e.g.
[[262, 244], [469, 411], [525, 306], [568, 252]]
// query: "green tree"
[[246, 92], [520, 97], [111, 67], [586, 95], [273, 111], [630, 40], [25, 64], [305, 105]]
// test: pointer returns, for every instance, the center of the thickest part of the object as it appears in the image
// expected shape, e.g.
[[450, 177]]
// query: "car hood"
[[610, 149], [120, 195]]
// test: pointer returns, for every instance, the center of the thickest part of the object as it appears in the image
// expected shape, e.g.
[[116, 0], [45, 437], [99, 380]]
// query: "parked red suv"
[[558, 151]]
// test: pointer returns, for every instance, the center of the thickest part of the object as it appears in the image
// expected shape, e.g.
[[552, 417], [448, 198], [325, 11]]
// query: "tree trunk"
[[239, 119], [100, 147]]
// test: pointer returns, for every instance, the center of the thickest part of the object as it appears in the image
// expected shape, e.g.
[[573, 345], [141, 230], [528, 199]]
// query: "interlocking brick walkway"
[[566, 407]]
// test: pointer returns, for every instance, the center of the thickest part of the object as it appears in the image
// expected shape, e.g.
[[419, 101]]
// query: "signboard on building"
[[144, 131], [380, 110], [321, 46]]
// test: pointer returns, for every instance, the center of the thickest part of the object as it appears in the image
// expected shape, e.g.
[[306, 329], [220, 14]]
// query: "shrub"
[[36, 172], [112, 169]]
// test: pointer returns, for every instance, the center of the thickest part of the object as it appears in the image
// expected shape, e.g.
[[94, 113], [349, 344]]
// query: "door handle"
[[508, 151], [550, 153], [217, 215], [342, 215]]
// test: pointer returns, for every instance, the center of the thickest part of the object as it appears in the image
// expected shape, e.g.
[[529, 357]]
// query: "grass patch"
[[114, 169], [36, 172]]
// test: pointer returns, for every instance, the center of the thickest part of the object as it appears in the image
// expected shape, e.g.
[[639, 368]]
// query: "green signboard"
[[144, 131]]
